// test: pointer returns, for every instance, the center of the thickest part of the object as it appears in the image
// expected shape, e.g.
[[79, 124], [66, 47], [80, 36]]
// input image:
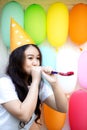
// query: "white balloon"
[[67, 60]]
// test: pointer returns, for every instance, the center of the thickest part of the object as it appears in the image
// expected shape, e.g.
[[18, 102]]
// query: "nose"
[[35, 62]]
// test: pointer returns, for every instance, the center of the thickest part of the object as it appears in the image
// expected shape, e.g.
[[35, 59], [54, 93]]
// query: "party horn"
[[63, 74]]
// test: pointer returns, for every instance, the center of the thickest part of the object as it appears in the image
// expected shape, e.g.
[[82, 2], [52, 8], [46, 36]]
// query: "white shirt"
[[8, 93]]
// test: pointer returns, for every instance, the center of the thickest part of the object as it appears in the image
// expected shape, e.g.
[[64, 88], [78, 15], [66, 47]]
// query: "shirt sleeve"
[[45, 92], [7, 90]]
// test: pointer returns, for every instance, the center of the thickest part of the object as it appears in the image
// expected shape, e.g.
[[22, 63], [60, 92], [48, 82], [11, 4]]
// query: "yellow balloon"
[[57, 24]]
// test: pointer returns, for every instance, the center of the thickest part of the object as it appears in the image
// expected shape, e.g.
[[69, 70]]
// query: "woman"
[[22, 89]]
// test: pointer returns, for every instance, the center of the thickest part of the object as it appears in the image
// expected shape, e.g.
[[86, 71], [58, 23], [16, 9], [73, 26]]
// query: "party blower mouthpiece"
[[63, 74]]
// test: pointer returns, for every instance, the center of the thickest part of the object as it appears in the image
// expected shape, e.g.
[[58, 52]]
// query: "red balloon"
[[78, 110], [78, 23]]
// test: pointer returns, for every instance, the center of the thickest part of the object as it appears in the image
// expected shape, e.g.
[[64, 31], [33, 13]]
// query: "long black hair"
[[16, 72]]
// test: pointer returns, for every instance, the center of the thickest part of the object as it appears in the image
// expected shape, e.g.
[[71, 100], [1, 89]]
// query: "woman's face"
[[32, 58]]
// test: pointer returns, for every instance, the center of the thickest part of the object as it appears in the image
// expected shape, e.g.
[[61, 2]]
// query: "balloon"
[[78, 110], [14, 10], [82, 69], [3, 57], [18, 36], [35, 23], [48, 56], [54, 120], [67, 60], [57, 24], [78, 24]]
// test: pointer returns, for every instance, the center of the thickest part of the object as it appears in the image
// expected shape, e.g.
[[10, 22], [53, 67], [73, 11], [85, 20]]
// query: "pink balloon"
[[78, 110], [82, 69]]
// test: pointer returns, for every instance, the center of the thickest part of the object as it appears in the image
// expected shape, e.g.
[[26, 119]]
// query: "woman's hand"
[[36, 73], [51, 78]]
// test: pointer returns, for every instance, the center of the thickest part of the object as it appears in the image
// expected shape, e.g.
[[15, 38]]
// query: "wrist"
[[35, 82]]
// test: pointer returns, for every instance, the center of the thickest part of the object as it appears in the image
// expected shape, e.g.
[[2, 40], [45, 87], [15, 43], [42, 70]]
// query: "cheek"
[[27, 66], [27, 63], [39, 63]]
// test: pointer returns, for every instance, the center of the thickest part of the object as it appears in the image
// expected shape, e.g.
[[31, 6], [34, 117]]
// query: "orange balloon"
[[18, 36], [78, 24], [54, 120]]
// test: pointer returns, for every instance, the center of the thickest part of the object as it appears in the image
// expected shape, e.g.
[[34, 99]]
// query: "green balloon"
[[11, 9], [35, 23]]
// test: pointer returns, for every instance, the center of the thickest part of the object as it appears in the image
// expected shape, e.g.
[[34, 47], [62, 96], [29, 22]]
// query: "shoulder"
[[4, 77], [5, 80], [7, 89]]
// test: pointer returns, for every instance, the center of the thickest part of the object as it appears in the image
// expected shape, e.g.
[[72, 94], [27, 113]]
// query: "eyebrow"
[[32, 55]]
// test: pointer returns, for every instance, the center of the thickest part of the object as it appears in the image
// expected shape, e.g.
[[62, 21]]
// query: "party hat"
[[18, 36]]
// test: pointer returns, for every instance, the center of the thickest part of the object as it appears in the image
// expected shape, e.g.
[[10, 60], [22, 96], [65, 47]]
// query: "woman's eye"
[[30, 58], [38, 58]]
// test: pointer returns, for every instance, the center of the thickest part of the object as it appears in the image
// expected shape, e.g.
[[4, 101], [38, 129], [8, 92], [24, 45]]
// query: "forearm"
[[60, 98], [29, 104]]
